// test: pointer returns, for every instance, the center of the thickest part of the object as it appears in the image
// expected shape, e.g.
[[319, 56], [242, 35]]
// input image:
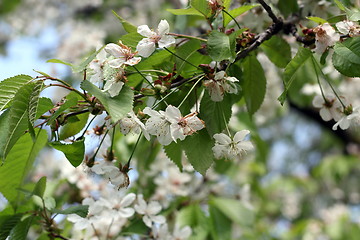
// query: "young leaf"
[[220, 46], [18, 162], [174, 152], [126, 25], [40, 187], [19, 119], [340, 5], [117, 106], [254, 85], [44, 105], [74, 152], [53, 60], [34, 101], [186, 11], [215, 113], [346, 57], [234, 210], [288, 7], [220, 224], [318, 20], [198, 149], [294, 65], [277, 50], [81, 210], [202, 6], [9, 87], [237, 12]]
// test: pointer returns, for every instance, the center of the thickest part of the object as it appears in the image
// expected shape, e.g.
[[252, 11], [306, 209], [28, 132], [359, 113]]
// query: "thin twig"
[[269, 11]]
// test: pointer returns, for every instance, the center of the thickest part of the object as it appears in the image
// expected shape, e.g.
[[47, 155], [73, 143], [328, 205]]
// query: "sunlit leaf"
[[8, 224], [20, 231], [220, 46], [126, 25], [202, 6], [34, 101], [9, 87], [186, 11], [318, 20], [237, 12], [174, 152], [346, 57], [81, 210], [73, 125], [74, 151]]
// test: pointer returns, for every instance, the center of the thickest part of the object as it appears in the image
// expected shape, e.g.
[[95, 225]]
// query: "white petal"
[[158, 219], [245, 145], [219, 75], [222, 138], [173, 114], [145, 47], [114, 50], [133, 61], [154, 208], [115, 88], [128, 199], [239, 136], [145, 31], [218, 151], [116, 63], [318, 101], [147, 221], [163, 27], [166, 41], [126, 212], [325, 114]]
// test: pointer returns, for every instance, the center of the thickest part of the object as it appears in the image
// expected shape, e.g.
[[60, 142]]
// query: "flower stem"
[[101, 142], [237, 24], [226, 125], [133, 151], [137, 70], [192, 88], [181, 58], [86, 128]]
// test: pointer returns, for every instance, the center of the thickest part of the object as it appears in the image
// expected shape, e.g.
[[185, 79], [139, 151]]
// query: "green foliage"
[[18, 162], [277, 50], [9, 87], [254, 85], [126, 25], [73, 126], [8, 223], [18, 115], [81, 210], [70, 101], [202, 6], [220, 224], [221, 46], [117, 106], [44, 105], [74, 152], [40, 187], [186, 11], [20, 231], [318, 20], [237, 12], [288, 7], [131, 39], [294, 65], [215, 114], [34, 101], [234, 210], [198, 150], [346, 57], [174, 153]]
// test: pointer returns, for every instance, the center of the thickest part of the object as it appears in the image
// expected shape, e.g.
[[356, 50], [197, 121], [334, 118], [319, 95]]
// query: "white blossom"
[[97, 66], [149, 210], [219, 85], [347, 27], [347, 120], [325, 37], [182, 126], [131, 123], [329, 109], [230, 148], [123, 55], [113, 173], [114, 85], [158, 125], [148, 45]]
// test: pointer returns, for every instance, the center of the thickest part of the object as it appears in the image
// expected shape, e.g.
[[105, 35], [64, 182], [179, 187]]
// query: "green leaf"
[[288, 7], [8, 224], [126, 25], [44, 105], [198, 150], [9, 87], [71, 100], [191, 215], [81, 210], [346, 57], [117, 106], [74, 151], [340, 5], [40, 187], [220, 224], [234, 209], [220, 46], [277, 50], [18, 115], [186, 11], [82, 66], [188, 51], [53, 60], [354, 15], [34, 101], [294, 65], [174, 153], [318, 20], [254, 85], [131, 39], [73, 126], [214, 114], [237, 12], [20, 231], [18, 162], [202, 6]]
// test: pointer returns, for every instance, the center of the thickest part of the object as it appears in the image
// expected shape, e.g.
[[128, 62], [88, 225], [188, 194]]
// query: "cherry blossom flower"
[[325, 37], [219, 85], [182, 126], [348, 27], [158, 125], [114, 85], [149, 210], [120, 205], [97, 66], [122, 54], [113, 173], [147, 45], [329, 109], [346, 121], [131, 123], [230, 148]]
